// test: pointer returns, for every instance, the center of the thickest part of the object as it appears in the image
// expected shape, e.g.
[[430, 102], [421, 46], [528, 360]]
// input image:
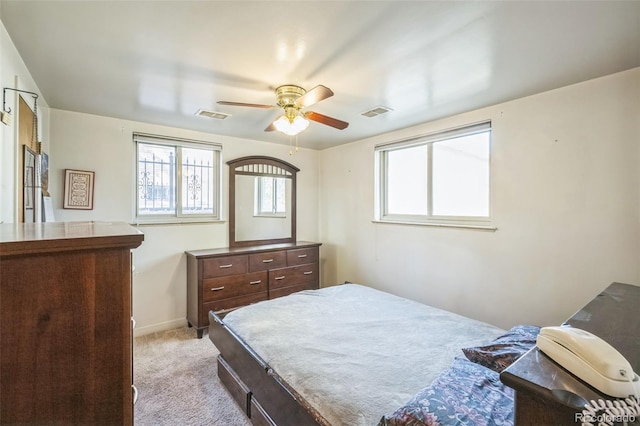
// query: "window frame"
[[381, 179], [178, 216], [259, 188]]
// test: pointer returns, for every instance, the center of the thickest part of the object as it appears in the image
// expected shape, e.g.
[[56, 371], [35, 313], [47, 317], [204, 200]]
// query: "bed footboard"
[[262, 395]]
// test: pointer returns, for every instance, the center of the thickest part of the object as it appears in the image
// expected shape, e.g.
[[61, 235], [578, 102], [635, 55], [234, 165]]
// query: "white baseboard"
[[168, 325]]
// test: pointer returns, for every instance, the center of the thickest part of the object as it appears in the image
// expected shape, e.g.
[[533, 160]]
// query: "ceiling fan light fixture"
[[293, 99], [289, 126]]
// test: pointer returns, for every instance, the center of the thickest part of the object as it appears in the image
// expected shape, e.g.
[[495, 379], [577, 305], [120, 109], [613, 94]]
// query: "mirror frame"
[[259, 165]]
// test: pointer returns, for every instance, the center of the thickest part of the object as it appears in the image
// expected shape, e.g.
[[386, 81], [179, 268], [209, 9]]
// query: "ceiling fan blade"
[[325, 119], [246, 105], [313, 96], [270, 128]]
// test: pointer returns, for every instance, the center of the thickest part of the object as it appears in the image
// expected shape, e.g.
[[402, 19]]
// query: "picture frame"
[[47, 209], [29, 184], [44, 173], [78, 189]]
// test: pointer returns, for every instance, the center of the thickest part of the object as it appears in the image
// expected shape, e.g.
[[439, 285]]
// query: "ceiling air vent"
[[212, 114], [376, 111]]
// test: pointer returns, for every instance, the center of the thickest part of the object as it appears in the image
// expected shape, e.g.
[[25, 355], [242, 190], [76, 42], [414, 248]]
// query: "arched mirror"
[[262, 201]]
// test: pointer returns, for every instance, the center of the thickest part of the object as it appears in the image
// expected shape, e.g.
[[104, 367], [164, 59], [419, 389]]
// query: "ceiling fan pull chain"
[[291, 145]]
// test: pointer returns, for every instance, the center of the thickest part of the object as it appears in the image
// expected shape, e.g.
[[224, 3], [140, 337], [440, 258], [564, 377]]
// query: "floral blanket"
[[470, 391], [465, 394]]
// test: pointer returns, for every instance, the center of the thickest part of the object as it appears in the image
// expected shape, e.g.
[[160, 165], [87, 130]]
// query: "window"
[[270, 196], [177, 180], [440, 178]]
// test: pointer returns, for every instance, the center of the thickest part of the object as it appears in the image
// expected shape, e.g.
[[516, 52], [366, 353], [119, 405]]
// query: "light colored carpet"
[[177, 381]]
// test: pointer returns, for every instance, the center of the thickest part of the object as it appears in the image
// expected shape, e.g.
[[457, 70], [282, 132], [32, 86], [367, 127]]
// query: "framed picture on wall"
[[78, 189], [29, 184], [44, 173]]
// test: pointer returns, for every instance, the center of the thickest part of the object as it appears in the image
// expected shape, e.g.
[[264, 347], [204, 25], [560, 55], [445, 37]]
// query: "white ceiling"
[[161, 61]]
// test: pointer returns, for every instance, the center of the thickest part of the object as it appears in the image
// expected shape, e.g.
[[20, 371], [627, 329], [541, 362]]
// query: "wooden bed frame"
[[264, 396], [259, 392]]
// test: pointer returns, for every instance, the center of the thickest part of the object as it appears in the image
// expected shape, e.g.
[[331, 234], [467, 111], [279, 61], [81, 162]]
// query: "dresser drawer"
[[236, 387], [286, 277], [233, 285], [225, 279], [231, 303], [269, 260], [284, 291], [223, 266], [301, 256]]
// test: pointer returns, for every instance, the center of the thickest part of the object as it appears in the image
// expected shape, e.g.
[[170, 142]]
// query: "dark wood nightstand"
[[547, 394]]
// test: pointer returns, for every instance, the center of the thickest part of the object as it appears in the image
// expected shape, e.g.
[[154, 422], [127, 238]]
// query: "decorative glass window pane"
[[197, 181], [177, 180], [156, 179]]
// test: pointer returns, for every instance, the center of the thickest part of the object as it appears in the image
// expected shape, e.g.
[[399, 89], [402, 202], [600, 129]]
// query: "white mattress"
[[352, 352]]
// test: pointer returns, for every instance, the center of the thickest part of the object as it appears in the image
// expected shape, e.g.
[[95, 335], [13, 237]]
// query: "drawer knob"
[[308, 273], [280, 278], [255, 282], [302, 255], [217, 288], [267, 260], [226, 266]]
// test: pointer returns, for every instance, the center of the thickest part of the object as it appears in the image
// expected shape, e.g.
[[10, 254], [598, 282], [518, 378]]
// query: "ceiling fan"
[[293, 99]]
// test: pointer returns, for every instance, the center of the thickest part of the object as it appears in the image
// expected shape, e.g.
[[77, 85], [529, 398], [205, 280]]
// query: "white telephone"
[[591, 359]]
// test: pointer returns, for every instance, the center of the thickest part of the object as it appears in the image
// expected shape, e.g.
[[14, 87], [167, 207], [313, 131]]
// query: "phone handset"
[[591, 359]]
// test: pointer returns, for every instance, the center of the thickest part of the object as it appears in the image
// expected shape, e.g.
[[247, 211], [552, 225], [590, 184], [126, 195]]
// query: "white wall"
[[14, 74], [565, 199], [105, 145]]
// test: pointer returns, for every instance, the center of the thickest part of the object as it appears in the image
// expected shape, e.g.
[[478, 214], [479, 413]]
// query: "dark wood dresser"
[[227, 278], [65, 321], [547, 394]]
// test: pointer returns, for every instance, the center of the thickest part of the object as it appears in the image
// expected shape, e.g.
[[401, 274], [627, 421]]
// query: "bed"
[[352, 355]]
